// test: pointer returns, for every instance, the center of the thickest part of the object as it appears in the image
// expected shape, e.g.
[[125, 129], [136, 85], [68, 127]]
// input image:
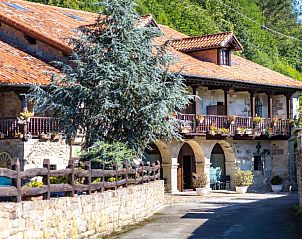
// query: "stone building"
[[230, 94]]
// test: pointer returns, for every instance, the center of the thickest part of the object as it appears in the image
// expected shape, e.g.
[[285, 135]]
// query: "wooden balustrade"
[[267, 126], [79, 180], [9, 127]]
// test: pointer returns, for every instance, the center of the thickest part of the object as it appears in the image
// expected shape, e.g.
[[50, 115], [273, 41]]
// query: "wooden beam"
[[270, 106], [227, 101], [253, 103], [288, 105]]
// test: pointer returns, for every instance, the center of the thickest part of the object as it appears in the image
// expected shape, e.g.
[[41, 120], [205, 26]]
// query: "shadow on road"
[[267, 219]]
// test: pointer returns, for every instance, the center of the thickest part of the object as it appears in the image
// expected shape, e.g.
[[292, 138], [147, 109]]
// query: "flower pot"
[[202, 191], [276, 188], [248, 131], [241, 189]]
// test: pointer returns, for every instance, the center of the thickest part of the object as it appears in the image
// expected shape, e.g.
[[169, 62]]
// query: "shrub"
[[58, 180], [243, 178], [108, 153], [276, 180], [34, 184], [200, 180]]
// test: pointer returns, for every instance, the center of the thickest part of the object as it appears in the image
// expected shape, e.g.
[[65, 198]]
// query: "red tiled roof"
[[242, 70], [205, 42], [19, 68], [54, 25]]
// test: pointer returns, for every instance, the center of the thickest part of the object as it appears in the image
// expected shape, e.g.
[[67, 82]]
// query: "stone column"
[[231, 170], [174, 167], [170, 175]]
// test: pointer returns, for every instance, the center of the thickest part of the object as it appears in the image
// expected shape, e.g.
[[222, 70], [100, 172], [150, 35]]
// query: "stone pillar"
[[170, 175], [230, 168], [174, 167]]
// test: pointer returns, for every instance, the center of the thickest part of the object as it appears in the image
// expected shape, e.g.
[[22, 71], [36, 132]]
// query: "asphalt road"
[[263, 216]]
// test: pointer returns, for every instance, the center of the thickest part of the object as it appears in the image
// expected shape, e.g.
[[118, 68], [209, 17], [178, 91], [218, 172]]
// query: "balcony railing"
[[216, 124], [9, 127]]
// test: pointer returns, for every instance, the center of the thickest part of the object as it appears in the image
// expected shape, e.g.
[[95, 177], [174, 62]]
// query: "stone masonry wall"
[[89, 216]]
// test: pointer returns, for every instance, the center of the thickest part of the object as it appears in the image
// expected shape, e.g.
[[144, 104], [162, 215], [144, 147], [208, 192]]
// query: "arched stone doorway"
[[217, 160], [152, 154], [186, 167]]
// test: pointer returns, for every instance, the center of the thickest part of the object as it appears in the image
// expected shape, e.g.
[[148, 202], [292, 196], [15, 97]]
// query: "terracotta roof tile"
[[242, 70], [205, 42], [19, 68]]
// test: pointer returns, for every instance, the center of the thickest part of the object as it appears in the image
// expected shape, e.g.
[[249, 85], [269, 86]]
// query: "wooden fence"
[[122, 177]]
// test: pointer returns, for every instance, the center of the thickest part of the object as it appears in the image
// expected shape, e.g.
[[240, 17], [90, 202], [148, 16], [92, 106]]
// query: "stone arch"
[[230, 159], [5, 160], [164, 151]]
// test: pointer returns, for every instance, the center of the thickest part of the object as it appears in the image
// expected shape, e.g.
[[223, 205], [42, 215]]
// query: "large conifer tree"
[[117, 86]]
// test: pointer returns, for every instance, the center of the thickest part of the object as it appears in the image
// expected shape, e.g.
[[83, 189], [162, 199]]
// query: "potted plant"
[[231, 119], [240, 130], [213, 130], [199, 119], [292, 123], [224, 131], [274, 121], [25, 117], [243, 179], [200, 182], [276, 183], [249, 131], [257, 120]]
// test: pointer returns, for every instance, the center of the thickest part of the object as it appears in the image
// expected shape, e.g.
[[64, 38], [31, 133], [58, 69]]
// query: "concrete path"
[[252, 216]]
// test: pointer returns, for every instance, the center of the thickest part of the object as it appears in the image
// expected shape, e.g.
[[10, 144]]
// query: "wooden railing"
[[9, 127], [188, 124], [122, 178]]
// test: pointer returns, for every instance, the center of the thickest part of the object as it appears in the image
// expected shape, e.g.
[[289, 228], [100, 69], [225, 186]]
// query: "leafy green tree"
[[118, 86]]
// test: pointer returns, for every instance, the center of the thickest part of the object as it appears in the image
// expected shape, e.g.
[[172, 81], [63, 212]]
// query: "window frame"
[[224, 57]]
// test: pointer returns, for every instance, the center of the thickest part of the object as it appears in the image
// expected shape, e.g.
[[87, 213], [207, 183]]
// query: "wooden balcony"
[[9, 127], [241, 126]]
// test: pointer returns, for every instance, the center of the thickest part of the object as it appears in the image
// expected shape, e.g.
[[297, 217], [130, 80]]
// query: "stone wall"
[[299, 166], [88, 216]]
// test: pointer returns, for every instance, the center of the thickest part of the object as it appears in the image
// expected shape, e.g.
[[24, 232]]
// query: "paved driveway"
[[252, 216]]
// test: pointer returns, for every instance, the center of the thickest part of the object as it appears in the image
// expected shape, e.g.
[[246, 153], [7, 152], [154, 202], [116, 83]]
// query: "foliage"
[[213, 130], [108, 153], [243, 178], [34, 184], [121, 89], [58, 180], [276, 180], [257, 119], [200, 180], [224, 131], [24, 116]]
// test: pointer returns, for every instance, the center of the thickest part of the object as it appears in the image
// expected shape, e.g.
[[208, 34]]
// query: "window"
[[224, 57], [258, 164], [53, 167]]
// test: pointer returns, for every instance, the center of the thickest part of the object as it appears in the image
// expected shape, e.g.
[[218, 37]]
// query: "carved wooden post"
[[71, 178], [226, 102], [46, 181], [17, 180], [88, 179]]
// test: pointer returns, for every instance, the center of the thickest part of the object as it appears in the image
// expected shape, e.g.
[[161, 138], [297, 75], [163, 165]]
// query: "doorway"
[[217, 160], [186, 168]]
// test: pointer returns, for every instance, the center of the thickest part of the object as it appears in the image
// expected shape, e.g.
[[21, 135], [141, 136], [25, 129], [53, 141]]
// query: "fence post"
[[71, 178], [46, 180], [149, 170], [134, 167], [88, 180], [126, 175], [142, 165], [17, 181], [153, 171], [115, 168], [103, 177], [157, 170]]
